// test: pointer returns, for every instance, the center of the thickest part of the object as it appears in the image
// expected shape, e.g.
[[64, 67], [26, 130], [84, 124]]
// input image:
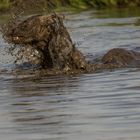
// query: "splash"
[[44, 40]]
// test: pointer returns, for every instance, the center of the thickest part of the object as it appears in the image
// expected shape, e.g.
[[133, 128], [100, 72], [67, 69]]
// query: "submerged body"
[[118, 57], [44, 40]]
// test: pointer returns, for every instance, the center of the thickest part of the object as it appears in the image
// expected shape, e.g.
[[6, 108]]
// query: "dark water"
[[98, 106]]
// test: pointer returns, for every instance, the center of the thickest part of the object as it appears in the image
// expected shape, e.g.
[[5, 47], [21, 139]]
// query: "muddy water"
[[99, 106]]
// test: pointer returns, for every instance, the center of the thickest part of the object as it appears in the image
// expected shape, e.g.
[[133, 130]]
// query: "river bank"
[[6, 5]]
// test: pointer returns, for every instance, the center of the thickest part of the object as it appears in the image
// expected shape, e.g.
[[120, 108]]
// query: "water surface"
[[99, 106]]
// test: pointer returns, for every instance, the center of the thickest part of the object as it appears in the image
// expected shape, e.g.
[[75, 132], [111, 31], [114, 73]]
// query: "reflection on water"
[[99, 106]]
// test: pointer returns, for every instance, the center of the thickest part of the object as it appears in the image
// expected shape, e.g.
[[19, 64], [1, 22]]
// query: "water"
[[99, 106]]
